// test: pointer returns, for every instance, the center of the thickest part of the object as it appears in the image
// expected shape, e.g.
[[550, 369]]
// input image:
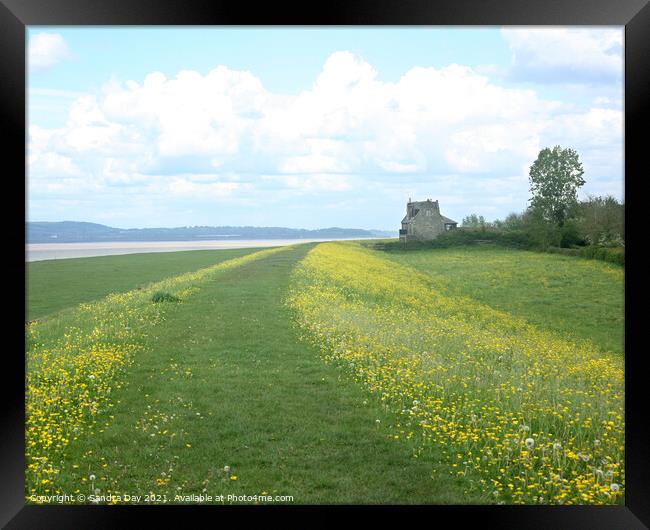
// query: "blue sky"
[[311, 127]]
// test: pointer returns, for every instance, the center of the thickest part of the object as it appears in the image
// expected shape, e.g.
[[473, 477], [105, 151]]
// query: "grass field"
[[53, 285], [330, 373], [572, 296]]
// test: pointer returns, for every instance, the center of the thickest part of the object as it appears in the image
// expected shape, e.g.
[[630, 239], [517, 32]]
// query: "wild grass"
[[164, 296], [578, 298], [75, 363], [522, 413], [451, 376], [217, 396]]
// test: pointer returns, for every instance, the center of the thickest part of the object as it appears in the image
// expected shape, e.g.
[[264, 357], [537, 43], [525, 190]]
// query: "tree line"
[[555, 218]]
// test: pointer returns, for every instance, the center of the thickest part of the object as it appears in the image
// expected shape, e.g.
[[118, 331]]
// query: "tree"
[[555, 178], [516, 221], [474, 221]]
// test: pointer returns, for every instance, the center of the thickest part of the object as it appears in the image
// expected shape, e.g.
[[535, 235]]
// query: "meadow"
[[53, 285], [330, 373]]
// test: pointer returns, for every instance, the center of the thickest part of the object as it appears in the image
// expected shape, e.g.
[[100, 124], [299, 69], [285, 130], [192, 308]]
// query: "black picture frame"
[[15, 15]]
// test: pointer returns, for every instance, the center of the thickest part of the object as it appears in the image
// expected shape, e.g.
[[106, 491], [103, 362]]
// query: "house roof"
[[444, 219], [420, 205]]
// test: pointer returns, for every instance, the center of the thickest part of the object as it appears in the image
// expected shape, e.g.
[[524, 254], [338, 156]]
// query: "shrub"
[[164, 296], [602, 220], [570, 235], [520, 239], [611, 255]]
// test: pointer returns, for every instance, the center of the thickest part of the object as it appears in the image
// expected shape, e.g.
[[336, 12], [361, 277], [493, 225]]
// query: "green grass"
[[227, 373], [526, 414], [53, 285], [225, 378], [575, 297]]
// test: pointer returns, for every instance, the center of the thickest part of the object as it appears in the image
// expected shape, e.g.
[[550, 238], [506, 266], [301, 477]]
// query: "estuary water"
[[46, 251]]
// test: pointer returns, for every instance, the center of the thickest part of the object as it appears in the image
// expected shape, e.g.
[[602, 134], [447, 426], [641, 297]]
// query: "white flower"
[[614, 487], [530, 443], [92, 477], [557, 446], [226, 469]]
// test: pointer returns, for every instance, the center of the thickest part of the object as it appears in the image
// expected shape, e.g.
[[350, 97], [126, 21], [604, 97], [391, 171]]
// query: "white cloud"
[[566, 55], [45, 50], [223, 137], [184, 186], [493, 147], [313, 183], [604, 127]]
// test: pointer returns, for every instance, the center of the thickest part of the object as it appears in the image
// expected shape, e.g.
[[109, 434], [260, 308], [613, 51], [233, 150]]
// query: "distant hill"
[[73, 232]]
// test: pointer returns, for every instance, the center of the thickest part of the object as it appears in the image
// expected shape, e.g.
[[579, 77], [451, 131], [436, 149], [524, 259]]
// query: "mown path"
[[227, 382]]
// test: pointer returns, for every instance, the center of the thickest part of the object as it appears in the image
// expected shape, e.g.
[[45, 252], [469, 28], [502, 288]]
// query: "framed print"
[[364, 254]]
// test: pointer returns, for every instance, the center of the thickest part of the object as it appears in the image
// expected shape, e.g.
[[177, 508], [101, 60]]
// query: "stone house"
[[423, 221]]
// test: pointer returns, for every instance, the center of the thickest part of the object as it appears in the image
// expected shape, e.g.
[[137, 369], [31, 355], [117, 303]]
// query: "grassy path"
[[227, 382]]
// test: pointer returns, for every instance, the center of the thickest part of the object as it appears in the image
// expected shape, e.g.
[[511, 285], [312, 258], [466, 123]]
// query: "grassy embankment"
[[222, 379], [170, 393]]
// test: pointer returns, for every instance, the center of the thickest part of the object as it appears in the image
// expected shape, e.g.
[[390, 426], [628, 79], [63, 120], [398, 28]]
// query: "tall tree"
[[555, 178]]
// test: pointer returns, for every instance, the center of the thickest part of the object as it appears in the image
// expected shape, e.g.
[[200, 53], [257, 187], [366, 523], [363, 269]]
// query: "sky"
[[312, 127]]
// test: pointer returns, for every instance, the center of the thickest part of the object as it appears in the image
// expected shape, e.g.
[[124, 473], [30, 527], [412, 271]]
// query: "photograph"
[[325, 265]]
